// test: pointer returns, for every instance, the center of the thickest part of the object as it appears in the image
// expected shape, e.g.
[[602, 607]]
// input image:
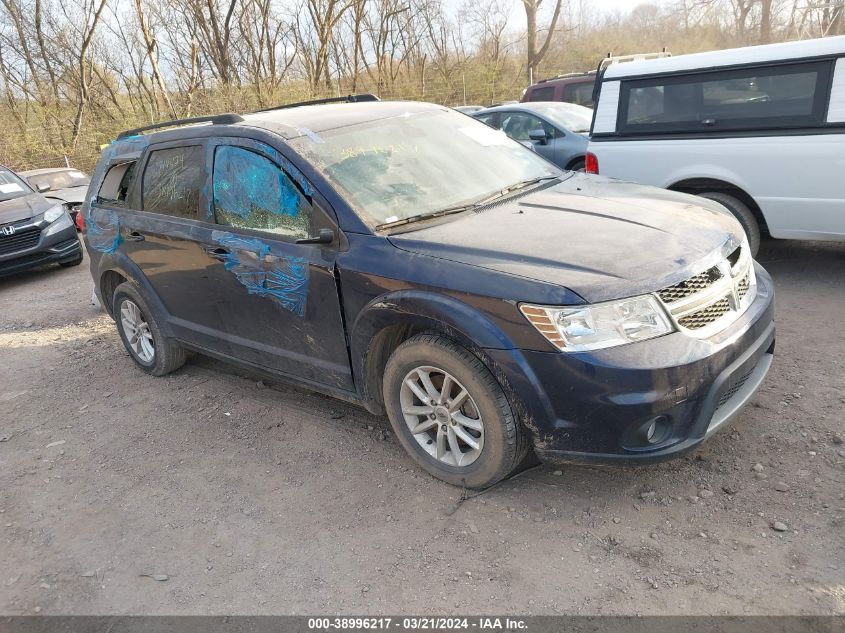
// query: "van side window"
[[173, 179], [116, 183], [754, 98], [579, 93], [546, 93], [252, 192]]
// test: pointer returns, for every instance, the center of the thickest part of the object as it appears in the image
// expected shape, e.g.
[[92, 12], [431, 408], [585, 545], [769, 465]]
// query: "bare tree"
[[535, 55]]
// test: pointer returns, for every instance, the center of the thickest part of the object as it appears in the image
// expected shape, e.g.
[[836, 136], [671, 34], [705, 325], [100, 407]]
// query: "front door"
[[519, 125], [276, 301]]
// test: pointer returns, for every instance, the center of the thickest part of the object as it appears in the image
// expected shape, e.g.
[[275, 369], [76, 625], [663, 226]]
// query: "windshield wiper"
[[514, 187], [464, 207], [427, 216]]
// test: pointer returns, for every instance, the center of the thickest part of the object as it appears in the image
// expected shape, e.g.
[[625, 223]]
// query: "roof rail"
[[636, 57], [217, 119], [347, 99], [567, 75]]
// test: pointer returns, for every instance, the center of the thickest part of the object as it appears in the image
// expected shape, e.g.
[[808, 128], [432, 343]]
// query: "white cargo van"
[[759, 129]]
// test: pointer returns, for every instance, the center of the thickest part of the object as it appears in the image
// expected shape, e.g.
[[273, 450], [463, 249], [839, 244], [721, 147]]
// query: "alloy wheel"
[[442, 416], [137, 331]]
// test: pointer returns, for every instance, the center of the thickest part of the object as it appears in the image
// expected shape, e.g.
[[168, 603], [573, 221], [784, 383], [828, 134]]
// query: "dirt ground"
[[256, 498]]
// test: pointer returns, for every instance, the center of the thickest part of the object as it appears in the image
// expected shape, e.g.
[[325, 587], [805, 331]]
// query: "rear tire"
[[743, 215], [142, 336], [479, 427], [577, 165]]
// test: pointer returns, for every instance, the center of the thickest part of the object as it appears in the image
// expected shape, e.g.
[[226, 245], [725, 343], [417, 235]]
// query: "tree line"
[[74, 72]]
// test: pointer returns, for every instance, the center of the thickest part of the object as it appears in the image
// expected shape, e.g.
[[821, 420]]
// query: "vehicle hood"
[[600, 238], [71, 195], [24, 207]]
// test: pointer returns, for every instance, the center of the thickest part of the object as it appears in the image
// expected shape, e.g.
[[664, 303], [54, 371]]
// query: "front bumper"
[[59, 247], [597, 406]]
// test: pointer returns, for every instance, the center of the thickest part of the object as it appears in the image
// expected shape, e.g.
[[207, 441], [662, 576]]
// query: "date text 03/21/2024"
[[416, 624]]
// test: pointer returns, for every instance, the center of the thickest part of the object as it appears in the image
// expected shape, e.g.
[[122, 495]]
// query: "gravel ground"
[[209, 491]]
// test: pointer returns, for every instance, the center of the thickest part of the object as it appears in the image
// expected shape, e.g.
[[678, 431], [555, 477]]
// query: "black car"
[[33, 230], [404, 257]]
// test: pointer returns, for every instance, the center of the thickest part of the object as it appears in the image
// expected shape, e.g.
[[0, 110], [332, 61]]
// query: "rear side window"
[[116, 183], [579, 93], [252, 192], [173, 180], [546, 93], [757, 98]]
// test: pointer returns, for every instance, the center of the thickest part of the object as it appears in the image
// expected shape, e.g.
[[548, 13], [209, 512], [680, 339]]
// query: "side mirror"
[[539, 136], [42, 187], [325, 236]]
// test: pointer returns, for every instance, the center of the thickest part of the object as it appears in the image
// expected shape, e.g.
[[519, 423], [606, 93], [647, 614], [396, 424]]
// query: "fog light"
[[656, 430]]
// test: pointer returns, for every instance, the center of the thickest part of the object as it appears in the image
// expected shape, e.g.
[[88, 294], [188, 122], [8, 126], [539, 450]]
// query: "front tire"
[[142, 336], [742, 213], [450, 413]]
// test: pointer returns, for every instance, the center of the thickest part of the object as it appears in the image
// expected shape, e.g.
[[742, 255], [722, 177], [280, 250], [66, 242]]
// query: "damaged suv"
[[404, 257]]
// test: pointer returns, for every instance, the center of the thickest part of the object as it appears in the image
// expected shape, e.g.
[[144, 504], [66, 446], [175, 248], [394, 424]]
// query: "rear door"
[[276, 302], [165, 233]]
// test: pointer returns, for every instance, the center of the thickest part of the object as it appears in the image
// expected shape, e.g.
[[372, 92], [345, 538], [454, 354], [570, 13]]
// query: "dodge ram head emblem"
[[8, 230]]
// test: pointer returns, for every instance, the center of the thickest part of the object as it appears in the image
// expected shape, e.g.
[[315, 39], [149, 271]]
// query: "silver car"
[[556, 131]]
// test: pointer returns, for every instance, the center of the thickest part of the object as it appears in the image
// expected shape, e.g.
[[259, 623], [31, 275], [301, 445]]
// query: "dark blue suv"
[[407, 258]]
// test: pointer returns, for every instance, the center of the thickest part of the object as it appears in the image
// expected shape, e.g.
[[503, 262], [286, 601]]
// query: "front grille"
[[717, 296], [743, 285], [691, 286], [20, 240], [706, 316], [737, 385]]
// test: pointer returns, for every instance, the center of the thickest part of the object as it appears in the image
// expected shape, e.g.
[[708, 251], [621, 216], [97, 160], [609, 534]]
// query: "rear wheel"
[[450, 413], [142, 336], [742, 213]]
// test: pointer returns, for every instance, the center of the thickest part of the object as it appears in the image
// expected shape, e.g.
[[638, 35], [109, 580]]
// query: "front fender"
[[420, 309]]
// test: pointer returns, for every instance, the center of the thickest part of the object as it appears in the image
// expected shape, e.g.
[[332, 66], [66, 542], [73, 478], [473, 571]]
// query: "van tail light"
[[591, 163]]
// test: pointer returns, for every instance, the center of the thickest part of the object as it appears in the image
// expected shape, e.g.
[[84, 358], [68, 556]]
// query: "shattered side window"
[[173, 180], [116, 183], [251, 192]]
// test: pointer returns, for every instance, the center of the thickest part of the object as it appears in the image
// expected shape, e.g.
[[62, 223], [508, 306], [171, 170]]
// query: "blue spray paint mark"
[[103, 232], [282, 278]]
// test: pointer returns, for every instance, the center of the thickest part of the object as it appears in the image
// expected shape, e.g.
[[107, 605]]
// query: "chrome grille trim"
[[690, 286], [711, 300]]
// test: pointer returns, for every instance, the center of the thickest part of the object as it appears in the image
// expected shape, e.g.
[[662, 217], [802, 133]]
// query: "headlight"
[[600, 325], [53, 214]]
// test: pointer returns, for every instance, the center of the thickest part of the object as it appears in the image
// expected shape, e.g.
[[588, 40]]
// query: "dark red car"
[[572, 88]]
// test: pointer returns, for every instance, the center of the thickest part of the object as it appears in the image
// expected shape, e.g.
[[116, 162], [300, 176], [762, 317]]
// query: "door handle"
[[134, 236], [217, 252]]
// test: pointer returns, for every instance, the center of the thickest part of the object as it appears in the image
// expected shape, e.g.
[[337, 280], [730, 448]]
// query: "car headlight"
[[600, 325], [54, 213]]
